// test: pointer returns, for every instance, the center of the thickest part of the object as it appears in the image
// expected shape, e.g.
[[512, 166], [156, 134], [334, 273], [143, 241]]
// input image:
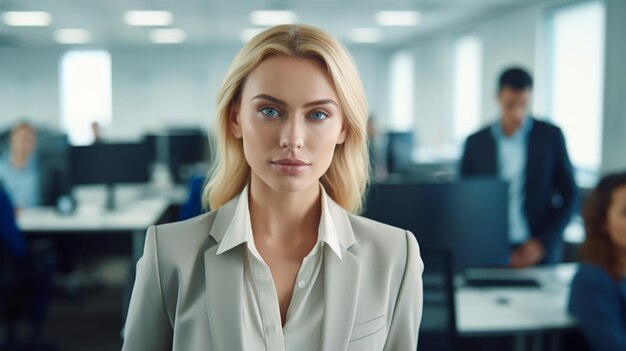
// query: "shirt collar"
[[240, 229], [524, 130], [31, 162]]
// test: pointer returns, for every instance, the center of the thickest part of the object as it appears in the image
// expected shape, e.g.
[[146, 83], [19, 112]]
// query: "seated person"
[[19, 169], [598, 293], [30, 177]]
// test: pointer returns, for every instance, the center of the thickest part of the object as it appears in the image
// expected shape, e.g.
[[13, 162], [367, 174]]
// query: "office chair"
[[438, 330], [193, 204]]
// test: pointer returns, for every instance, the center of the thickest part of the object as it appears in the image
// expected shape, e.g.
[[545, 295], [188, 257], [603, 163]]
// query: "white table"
[[134, 218], [528, 314]]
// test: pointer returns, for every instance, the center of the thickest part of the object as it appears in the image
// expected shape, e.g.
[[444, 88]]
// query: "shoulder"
[[591, 274], [593, 291], [371, 230], [545, 128], [591, 282], [383, 243], [481, 135], [185, 238]]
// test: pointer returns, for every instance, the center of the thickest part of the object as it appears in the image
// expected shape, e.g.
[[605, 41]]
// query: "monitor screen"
[[109, 163], [179, 149], [469, 217], [185, 149], [399, 151]]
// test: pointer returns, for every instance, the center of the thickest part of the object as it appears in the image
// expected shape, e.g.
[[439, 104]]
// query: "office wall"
[[29, 86], [156, 87], [152, 86], [433, 89], [614, 128], [507, 39]]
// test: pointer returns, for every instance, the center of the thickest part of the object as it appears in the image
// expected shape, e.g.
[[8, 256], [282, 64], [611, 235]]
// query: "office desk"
[[134, 218], [131, 217], [530, 315]]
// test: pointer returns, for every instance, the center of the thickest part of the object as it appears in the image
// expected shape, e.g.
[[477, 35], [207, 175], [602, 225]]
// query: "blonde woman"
[[283, 262]]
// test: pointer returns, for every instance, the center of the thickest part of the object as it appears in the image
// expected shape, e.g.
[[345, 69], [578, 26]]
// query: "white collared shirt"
[[261, 311]]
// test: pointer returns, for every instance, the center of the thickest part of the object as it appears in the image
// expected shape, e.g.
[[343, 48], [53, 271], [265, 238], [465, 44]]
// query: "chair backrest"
[[438, 330]]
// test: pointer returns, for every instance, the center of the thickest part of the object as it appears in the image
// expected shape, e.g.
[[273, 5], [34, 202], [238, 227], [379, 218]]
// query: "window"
[[577, 66], [85, 93], [467, 86], [402, 92]]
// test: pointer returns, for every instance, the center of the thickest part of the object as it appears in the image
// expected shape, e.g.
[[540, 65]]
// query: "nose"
[[292, 134]]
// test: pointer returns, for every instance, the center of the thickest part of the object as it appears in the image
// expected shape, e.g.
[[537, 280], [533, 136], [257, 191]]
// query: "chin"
[[289, 184]]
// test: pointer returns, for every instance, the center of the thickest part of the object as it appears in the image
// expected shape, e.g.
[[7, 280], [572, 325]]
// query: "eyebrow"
[[282, 103]]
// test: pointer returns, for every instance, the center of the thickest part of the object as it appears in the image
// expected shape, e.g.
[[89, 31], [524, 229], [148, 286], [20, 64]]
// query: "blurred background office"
[[105, 110]]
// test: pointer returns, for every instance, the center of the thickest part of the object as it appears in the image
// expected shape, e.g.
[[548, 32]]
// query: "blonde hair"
[[347, 178]]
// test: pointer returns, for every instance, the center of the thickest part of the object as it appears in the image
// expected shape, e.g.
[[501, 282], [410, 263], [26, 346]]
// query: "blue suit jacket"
[[599, 305], [10, 236], [548, 173]]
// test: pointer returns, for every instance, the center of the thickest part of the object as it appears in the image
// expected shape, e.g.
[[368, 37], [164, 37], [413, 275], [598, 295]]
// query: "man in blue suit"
[[531, 155]]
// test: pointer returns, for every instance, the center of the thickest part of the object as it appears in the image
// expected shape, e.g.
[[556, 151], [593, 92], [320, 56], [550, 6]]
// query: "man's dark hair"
[[516, 78]]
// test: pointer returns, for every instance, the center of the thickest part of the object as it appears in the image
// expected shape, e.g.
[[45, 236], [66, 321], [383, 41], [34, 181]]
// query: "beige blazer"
[[188, 298]]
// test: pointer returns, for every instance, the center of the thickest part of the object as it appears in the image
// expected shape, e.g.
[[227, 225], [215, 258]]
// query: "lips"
[[290, 166], [291, 162]]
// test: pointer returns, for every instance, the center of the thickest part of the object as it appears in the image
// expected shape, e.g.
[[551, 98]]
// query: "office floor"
[[92, 319], [91, 323]]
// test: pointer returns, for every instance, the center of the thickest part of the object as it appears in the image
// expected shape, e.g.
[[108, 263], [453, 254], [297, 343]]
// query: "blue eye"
[[269, 112], [318, 115]]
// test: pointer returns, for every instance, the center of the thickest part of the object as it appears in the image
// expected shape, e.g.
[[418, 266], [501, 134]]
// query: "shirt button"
[[271, 329], [301, 284]]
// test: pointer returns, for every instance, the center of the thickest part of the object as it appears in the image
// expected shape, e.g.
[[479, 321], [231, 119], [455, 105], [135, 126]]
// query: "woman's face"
[[290, 121], [616, 218]]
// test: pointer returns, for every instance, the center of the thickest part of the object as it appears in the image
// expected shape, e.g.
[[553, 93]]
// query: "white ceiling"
[[210, 22]]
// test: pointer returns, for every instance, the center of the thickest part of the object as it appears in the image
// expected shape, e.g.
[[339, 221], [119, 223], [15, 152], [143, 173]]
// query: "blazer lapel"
[[491, 155], [341, 284], [224, 285], [224, 295], [534, 154], [341, 290]]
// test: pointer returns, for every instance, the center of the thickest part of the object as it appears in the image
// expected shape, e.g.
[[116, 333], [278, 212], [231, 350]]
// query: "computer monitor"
[[186, 148], [468, 218], [399, 151], [53, 161], [109, 164], [180, 149]]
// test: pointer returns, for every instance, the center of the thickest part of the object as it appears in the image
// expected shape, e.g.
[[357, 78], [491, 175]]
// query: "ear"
[[234, 121]]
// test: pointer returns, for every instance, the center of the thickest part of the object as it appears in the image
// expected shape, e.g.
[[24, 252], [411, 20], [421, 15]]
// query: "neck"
[[18, 160], [284, 217], [508, 129]]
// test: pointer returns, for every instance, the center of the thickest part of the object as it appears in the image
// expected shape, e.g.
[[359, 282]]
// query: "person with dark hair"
[[530, 155], [598, 293]]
